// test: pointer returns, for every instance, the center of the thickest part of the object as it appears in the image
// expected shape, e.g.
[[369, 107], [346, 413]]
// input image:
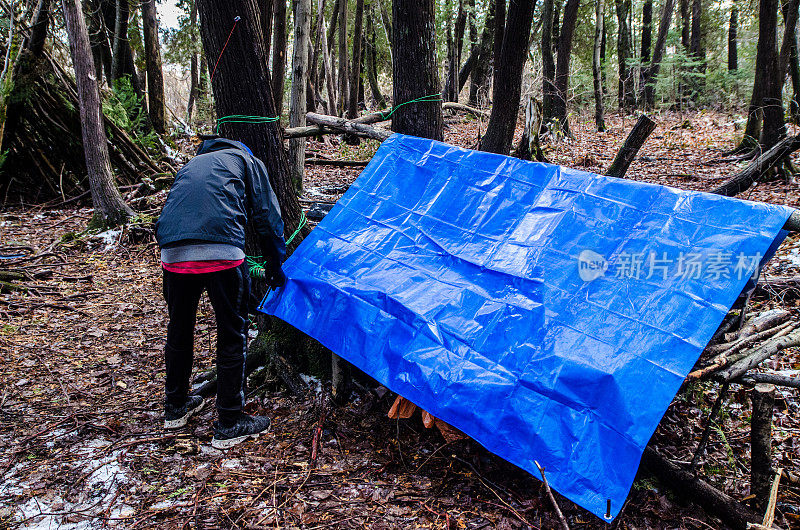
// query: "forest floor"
[[81, 378]]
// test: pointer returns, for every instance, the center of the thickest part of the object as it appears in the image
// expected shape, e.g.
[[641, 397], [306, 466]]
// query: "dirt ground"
[[81, 377]]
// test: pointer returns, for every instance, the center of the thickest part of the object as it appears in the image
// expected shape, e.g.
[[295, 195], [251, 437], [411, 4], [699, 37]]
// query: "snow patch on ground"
[[109, 238], [97, 493], [313, 382]]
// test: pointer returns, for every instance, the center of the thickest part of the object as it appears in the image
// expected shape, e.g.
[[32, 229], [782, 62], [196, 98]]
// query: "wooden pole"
[[761, 444]]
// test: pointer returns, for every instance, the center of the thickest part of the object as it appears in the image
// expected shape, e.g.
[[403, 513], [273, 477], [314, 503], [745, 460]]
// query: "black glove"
[[272, 265], [276, 279]]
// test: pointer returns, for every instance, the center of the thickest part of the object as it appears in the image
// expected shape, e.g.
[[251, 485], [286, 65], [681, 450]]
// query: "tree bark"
[[569, 20], [234, 93], [35, 44], [635, 140], [733, 29], [548, 60], [499, 36], [344, 71], [355, 77], [194, 71], [372, 64], [155, 76], [480, 78], [279, 54], [651, 72], [327, 72], [267, 12], [625, 94], [647, 31], [768, 66], [120, 37], [686, 44], [597, 68], [698, 51], [761, 444], [415, 69], [110, 209], [297, 109], [508, 81]]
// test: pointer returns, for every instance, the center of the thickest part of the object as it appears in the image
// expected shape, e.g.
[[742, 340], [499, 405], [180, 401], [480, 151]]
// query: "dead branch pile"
[[45, 152]]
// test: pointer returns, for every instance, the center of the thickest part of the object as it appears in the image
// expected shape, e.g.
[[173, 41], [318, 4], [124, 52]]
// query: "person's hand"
[[277, 278]]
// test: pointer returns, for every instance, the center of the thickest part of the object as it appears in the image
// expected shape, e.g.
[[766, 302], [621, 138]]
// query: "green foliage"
[[126, 110]]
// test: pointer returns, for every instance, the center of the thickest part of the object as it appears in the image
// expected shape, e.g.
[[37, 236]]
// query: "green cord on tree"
[[243, 118], [429, 97], [256, 267]]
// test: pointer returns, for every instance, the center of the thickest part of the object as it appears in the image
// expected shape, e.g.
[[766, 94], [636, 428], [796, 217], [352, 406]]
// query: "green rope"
[[429, 97], [243, 118], [256, 267]]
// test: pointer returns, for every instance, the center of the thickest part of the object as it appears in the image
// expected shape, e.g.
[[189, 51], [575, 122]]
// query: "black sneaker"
[[245, 427], [177, 417]]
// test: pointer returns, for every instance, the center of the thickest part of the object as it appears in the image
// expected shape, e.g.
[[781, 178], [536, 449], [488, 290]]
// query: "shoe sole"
[[182, 421], [230, 442]]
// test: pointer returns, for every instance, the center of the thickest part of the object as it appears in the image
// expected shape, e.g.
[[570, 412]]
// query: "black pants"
[[229, 292]]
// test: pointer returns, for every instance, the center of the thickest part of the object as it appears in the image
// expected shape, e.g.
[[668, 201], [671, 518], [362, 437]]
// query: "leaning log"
[[758, 167], [772, 379], [760, 354], [696, 490], [635, 140], [343, 126]]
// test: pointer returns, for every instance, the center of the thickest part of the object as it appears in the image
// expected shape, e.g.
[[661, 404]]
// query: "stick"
[[635, 140], [761, 443], [760, 354], [564, 525], [769, 517]]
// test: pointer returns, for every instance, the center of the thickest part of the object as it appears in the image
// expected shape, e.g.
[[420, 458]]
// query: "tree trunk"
[[508, 81], [790, 14], [499, 36], [597, 67], [625, 94], [569, 20], [698, 52], [733, 28], [794, 71], [315, 88], [98, 29], [297, 109], [279, 54], [110, 209], [686, 44], [194, 71], [120, 37], [548, 60], [267, 12], [344, 71], [372, 64], [480, 79], [35, 44], [355, 77], [234, 93], [768, 68], [415, 69], [651, 72], [327, 72], [647, 31], [155, 77]]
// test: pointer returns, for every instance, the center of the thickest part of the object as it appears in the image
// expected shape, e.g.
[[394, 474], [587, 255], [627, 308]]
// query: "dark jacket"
[[215, 194]]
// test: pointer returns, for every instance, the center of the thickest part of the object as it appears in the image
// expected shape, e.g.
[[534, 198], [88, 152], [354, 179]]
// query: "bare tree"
[[508, 79], [155, 76], [297, 106], [110, 209], [597, 72], [279, 54], [355, 70]]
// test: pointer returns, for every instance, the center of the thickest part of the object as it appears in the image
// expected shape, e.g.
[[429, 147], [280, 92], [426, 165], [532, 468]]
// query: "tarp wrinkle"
[[549, 313]]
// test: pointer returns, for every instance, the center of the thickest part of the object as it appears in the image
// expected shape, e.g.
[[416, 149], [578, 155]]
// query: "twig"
[[564, 525]]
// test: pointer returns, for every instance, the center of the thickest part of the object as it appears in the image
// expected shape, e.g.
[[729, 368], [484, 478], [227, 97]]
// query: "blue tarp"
[[551, 314]]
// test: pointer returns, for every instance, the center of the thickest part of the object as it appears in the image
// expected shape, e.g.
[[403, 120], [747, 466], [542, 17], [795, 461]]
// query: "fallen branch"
[[772, 379], [758, 167], [759, 355], [635, 140], [344, 126], [336, 163], [698, 491], [452, 105]]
